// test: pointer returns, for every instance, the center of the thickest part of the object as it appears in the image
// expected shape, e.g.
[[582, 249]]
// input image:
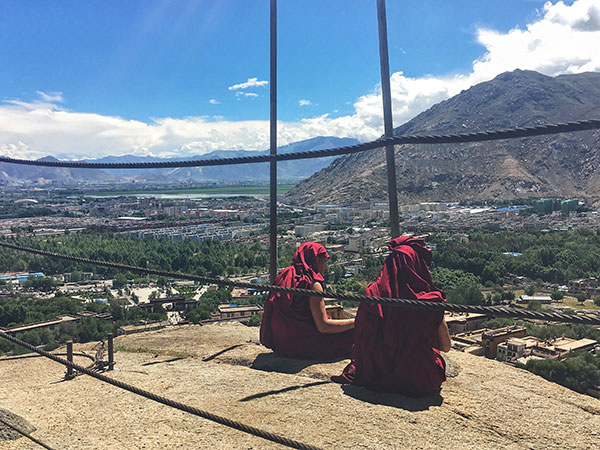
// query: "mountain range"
[[290, 171], [560, 165]]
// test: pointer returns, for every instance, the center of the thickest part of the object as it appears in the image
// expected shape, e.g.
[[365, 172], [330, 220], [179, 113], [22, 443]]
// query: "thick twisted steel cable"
[[165, 401], [457, 138], [24, 433], [499, 311]]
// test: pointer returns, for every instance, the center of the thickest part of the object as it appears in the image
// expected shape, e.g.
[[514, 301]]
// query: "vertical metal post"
[[387, 117], [111, 358], [70, 373], [273, 147]]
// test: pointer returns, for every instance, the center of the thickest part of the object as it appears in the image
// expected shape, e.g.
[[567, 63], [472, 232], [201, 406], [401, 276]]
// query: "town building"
[[491, 338], [511, 350], [233, 311], [541, 299], [177, 303], [587, 286], [356, 243], [469, 342], [305, 230], [20, 276], [519, 350], [52, 325], [459, 322], [335, 311]]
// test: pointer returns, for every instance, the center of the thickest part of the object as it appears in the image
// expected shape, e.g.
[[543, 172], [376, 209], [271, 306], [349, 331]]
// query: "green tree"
[[119, 282], [529, 290], [162, 282], [532, 305], [581, 297], [466, 294], [255, 320], [338, 272], [508, 295], [557, 295], [579, 371], [496, 298]]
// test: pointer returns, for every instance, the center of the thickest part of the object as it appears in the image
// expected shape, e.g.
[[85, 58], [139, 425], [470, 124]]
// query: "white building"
[[511, 350], [305, 230]]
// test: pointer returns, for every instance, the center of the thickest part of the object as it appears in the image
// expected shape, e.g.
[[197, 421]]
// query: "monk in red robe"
[[397, 349], [298, 326]]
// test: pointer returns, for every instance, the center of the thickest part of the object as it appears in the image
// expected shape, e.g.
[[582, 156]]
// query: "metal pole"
[[387, 117], [273, 164], [111, 358], [70, 373]]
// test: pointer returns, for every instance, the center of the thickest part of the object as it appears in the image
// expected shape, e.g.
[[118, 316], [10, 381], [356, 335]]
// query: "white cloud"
[[304, 102], [212, 101], [252, 82], [245, 94], [563, 39], [52, 97]]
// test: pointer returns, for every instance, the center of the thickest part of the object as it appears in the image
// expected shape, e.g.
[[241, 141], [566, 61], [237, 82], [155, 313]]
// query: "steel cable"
[[499, 311], [457, 138], [165, 401]]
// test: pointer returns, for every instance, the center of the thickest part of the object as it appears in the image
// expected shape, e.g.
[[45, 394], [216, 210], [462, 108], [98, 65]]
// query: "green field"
[[230, 190]]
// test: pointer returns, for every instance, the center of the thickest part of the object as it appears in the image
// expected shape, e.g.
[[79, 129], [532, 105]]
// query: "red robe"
[[287, 326], [393, 347]]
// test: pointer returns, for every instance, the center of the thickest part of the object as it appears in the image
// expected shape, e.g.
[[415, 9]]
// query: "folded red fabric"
[[393, 347], [287, 326]]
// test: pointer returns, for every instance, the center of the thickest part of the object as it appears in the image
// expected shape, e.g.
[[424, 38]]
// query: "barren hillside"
[[561, 165]]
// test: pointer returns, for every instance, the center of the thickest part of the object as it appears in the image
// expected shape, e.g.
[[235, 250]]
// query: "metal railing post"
[[111, 358], [70, 374], [273, 147], [387, 117]]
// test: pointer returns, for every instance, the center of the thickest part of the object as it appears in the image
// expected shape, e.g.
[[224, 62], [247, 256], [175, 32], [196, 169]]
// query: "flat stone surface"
[[9, 420], [220, 369]]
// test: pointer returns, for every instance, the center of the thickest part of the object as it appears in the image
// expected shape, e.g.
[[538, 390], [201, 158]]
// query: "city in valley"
[[539, 254]]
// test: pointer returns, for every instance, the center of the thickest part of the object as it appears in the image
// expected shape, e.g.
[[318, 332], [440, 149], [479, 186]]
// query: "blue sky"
[[172, 77]]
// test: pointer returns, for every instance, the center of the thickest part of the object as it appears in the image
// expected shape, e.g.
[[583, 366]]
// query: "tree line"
[[212, 258], [554, 257], [28, 309]]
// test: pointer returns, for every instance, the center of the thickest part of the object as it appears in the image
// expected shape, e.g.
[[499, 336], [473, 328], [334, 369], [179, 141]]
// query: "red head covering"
[[405, 273], [304, 263]]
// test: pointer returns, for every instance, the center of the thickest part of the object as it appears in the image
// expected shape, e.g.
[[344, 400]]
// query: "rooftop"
[[503, 331]]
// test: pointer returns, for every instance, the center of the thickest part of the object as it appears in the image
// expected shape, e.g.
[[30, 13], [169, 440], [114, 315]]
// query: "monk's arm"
[[325, 324], [443, 337]]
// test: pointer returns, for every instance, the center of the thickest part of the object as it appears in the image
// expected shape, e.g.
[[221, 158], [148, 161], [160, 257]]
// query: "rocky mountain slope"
[[219, 368], [565, 165]]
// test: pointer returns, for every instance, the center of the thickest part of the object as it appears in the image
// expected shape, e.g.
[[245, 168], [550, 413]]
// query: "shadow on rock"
[[220, 352], [392, 399], [281, 391], [271, 362]]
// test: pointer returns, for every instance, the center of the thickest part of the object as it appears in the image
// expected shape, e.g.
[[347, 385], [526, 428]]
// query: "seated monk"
[[297, 326], [396, 348]]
